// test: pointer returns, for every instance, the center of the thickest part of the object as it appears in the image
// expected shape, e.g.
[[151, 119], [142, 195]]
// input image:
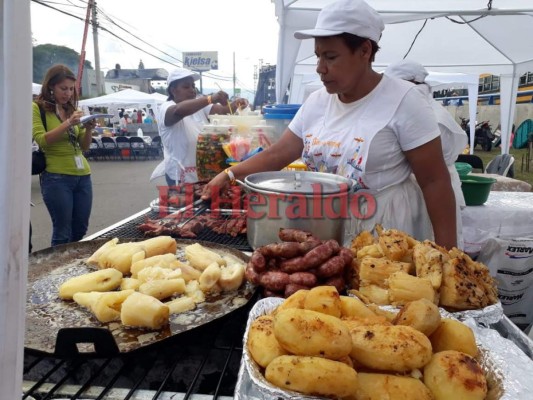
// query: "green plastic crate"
[[476, 189]]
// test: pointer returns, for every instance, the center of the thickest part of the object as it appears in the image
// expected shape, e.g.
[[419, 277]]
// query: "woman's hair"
[[57, 74], [354, 42], [169, 89]]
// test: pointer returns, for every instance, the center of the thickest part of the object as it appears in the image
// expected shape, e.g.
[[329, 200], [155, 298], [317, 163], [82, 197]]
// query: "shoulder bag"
[[38, 159]]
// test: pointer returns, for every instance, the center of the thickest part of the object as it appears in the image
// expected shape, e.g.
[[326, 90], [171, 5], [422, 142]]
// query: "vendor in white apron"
[[453, 138], [180, 121], [365, 126]]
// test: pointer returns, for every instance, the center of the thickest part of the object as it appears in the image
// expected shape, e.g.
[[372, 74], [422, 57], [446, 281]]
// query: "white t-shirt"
[[365, 140], [453, 137], [179, 142]]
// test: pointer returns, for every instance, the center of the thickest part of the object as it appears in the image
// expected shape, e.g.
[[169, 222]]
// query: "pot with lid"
[[312, 201]]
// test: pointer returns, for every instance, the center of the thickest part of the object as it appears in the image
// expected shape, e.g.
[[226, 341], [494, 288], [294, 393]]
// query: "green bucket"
[[476, 189], [463, 168]]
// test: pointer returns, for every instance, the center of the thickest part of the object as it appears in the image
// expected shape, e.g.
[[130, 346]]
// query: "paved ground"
[[120, 189]]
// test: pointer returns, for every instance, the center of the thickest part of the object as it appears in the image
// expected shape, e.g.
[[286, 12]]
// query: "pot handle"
[[243, 184]]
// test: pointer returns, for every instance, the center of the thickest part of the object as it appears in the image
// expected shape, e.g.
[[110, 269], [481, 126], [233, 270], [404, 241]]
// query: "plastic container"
[[210, 155], [462, 168], [279, 116], [476, 189], [263, 135], [242, 123]]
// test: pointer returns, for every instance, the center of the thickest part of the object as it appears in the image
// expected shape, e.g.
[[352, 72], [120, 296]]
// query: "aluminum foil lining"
[[507, 368]]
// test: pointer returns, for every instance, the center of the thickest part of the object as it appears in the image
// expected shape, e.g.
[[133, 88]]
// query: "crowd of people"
[[383, 131]]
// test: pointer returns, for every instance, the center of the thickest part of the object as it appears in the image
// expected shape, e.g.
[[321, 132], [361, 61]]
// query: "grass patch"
[[486, 156]]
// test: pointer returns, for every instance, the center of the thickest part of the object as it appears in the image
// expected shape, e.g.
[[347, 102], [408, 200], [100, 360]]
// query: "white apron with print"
[[342, 148]]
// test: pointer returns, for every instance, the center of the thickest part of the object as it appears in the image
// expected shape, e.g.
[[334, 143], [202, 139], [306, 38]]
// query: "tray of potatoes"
[[318, 344]]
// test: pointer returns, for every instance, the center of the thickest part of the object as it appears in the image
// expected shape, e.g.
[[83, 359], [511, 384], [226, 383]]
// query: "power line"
[[102, 28]]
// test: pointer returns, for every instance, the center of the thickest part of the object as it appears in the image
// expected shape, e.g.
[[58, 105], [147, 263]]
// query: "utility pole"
[[234, 74], [96, 51], [82, 53]]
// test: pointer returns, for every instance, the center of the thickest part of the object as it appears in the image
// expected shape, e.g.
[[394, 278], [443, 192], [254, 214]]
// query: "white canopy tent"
[[453, 36], [124, 98], [36, 88]]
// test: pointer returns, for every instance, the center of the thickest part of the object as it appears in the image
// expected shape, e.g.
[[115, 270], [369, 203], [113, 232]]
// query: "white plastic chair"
[[501, 164]]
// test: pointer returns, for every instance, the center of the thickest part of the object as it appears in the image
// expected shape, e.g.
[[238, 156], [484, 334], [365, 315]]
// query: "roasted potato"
[[262, 343], [353, 307], [295, 300], [454, 335], [310, 333], [452, 375], [324, 299], [373, 386], [423, 315], [390, 348], [312, 375]]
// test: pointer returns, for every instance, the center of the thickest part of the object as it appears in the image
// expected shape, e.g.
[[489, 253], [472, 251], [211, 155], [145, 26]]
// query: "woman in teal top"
[[66, 183]]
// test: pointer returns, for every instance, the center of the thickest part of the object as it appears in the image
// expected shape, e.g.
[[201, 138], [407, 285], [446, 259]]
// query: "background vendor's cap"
[[407, 70], [346, 16], [180, 73]]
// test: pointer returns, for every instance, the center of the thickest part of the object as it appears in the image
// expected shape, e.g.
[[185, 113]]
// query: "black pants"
[[170, 182]]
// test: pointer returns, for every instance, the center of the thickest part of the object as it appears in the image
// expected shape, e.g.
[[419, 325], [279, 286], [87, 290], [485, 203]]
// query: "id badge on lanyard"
[[79, 162]]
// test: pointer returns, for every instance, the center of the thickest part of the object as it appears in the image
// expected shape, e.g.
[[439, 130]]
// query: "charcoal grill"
[[129, 230], [199, 364]]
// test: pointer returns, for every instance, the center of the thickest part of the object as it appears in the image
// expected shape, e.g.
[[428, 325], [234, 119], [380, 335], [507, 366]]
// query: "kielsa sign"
[[200, 60]]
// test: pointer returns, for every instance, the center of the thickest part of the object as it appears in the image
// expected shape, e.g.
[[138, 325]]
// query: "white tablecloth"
[[505, 184], [504, 215]]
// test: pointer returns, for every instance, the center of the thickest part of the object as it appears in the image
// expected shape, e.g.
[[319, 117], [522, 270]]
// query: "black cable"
[[414, 40], [208, 75]]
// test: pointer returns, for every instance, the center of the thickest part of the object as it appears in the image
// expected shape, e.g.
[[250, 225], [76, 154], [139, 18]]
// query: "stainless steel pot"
[[311, 201]]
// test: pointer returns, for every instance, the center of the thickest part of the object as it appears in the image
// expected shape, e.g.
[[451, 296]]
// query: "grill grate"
[[129, 230], [202, 363]]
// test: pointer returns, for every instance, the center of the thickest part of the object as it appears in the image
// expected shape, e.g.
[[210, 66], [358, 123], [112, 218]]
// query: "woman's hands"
[[74, 119], [239, 103], [220, 97], [218, 183]]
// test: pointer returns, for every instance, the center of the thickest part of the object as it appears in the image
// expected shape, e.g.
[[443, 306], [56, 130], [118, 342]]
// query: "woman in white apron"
[[368, 127], [180, 121], [452, 136]]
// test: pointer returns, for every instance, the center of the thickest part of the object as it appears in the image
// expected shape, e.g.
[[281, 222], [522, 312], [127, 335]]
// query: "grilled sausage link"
[[251, 275], [337, 281], [334, 266], [283, 250], [320, 254], [294, 235], [292, 288], [275, 281], [258, 262], [303, 279], [347, 255]]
